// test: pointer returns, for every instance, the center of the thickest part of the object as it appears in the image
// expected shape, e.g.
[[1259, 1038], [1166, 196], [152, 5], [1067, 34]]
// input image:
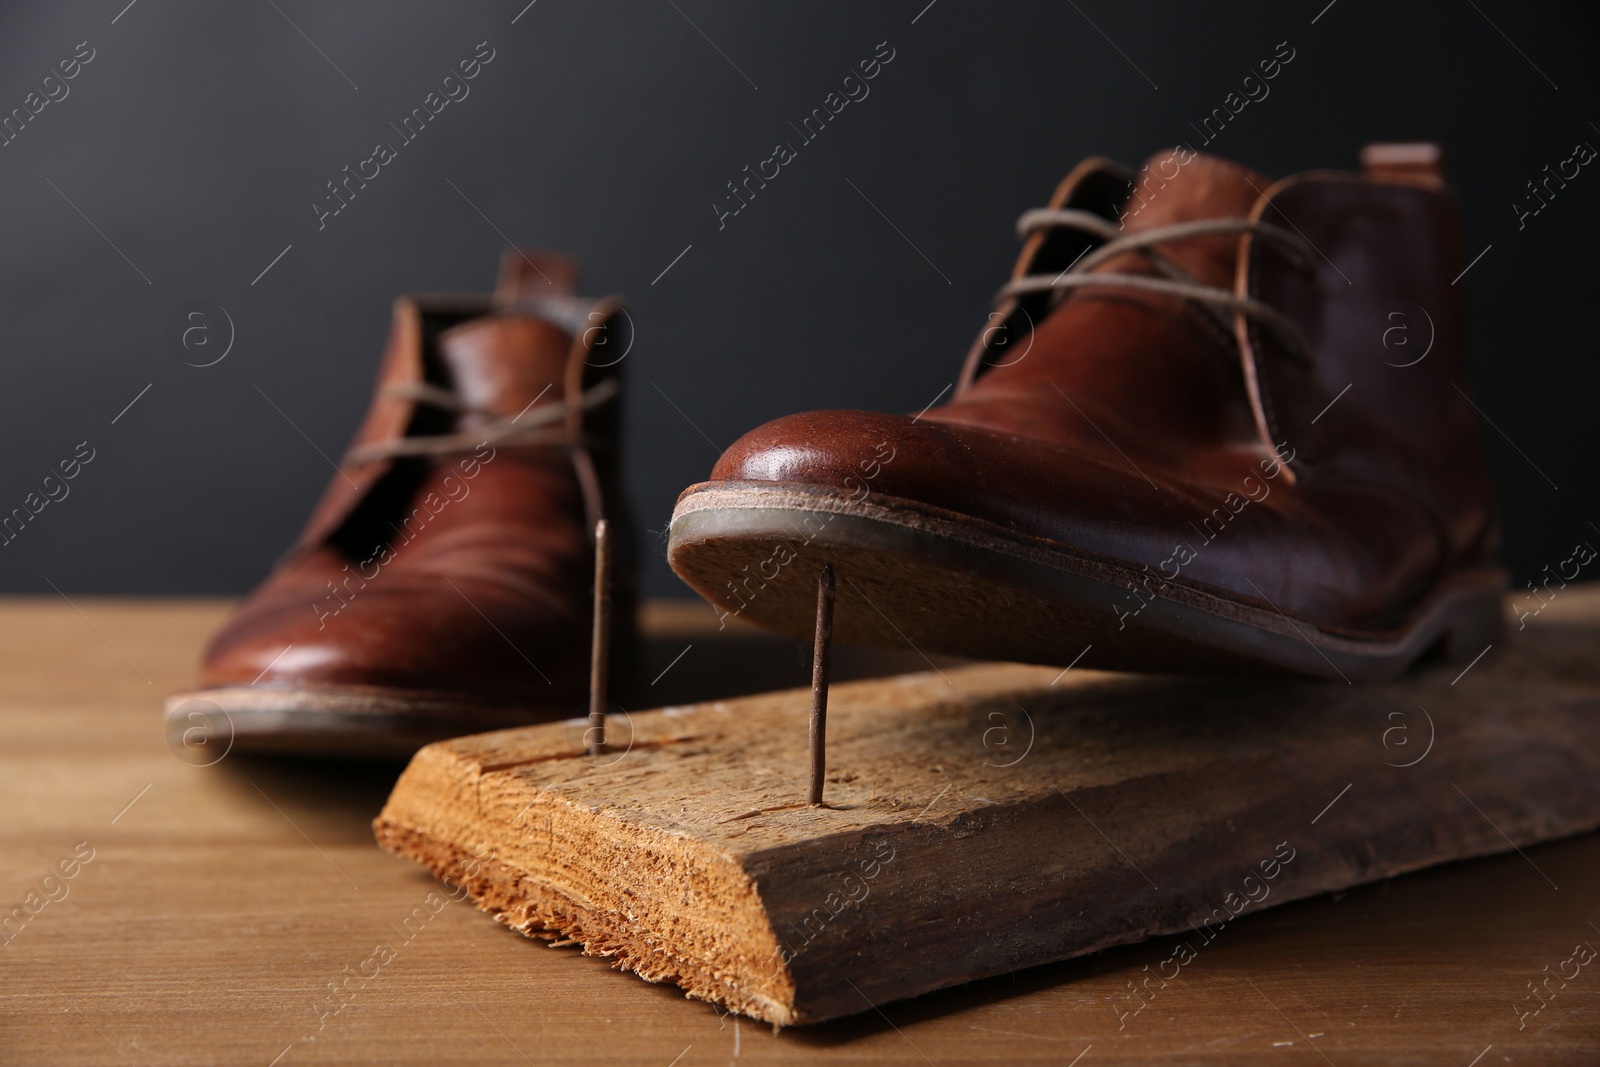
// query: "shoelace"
[[525, 428], [1217, 302]]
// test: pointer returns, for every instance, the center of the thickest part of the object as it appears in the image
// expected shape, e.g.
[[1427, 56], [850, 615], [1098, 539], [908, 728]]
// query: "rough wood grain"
[[992, 817]]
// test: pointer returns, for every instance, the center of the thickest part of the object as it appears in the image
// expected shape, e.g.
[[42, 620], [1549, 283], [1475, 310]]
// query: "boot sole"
[[946, 583], [362, 722]]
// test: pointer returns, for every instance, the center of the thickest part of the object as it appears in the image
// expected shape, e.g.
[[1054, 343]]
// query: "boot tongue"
[[1180, 185], [503, 363]]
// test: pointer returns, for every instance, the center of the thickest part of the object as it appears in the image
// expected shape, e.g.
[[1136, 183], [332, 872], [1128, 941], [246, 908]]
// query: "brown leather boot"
[[1194, 438], [443, 586]]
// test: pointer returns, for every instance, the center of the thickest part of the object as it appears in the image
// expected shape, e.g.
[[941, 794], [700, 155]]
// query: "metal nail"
[[819, 682], [600, 647]]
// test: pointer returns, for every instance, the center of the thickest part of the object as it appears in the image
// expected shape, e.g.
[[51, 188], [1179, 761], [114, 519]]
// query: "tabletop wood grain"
[[188, 914]]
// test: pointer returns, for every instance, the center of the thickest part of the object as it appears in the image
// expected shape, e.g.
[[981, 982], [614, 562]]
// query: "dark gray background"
[[200, 134]]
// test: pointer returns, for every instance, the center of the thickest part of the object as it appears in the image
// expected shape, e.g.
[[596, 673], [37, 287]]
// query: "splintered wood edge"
[[700, 898], [695, 915]]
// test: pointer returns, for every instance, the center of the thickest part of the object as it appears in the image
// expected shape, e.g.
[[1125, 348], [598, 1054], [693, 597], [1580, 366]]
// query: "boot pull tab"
[[532, 272], [1407, 162]]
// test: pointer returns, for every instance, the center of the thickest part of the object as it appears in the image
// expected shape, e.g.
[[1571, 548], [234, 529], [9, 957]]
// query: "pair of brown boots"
[[1216, 424]]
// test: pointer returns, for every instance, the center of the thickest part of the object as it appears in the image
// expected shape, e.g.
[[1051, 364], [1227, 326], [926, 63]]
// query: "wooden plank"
[[992, 817]]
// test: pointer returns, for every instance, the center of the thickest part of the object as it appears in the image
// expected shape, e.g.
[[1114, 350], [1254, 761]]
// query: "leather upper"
[[463, 572], [1135, 427]]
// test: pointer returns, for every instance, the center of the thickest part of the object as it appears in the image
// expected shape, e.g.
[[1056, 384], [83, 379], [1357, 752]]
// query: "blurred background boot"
[[443, 584]]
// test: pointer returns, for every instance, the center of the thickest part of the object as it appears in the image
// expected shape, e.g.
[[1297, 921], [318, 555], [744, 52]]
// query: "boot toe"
[[823, 447], [414, 633]]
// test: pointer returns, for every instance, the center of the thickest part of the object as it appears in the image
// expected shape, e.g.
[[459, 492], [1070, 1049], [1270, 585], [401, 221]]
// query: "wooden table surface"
[[209, 908]]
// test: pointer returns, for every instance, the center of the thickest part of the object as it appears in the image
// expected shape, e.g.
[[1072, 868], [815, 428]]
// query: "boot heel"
[[1477, 620]]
